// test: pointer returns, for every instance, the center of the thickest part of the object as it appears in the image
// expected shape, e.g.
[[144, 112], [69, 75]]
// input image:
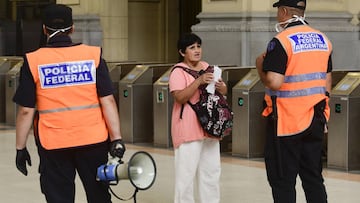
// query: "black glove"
[[117, 148], [22, 156]]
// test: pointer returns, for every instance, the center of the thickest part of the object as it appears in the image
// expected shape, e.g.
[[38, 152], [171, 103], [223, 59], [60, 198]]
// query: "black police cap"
[[57, 16], [300, 4]]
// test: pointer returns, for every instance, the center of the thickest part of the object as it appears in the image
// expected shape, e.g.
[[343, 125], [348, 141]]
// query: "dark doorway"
[[21, 26], [189, 9]]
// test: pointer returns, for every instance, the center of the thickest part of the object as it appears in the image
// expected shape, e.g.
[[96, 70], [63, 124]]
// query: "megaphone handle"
[[134, 195], [122, 199]]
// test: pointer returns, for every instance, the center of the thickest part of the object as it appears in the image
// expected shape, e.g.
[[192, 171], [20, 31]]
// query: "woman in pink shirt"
[[197, 154]]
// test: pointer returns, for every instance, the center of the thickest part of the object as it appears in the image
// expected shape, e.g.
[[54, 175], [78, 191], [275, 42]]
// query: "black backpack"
[[212, 110]]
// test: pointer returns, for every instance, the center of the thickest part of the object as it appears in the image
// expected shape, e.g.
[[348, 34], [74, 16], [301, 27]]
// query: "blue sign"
[[310, 41], [67, 74]]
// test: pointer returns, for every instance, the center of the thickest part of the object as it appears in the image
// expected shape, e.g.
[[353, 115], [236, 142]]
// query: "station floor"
[[242, 180]]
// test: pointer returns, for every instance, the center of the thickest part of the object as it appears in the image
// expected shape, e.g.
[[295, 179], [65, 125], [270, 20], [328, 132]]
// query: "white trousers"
[[198, 163]]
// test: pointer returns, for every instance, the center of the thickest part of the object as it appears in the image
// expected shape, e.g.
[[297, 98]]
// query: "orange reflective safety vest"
[[304, 86], [66, 96]]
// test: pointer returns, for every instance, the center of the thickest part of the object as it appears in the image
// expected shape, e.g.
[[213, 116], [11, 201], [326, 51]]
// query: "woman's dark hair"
[[187, 40]]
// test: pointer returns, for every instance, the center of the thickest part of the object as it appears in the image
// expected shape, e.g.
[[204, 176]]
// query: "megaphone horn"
[[140, 170]]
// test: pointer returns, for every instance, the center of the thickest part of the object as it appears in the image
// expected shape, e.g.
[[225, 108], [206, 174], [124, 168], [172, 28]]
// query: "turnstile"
[[231, 75], [336, 76], [12, 82], [343, 135], [162, 105], [6, 63], [248, 136], [3, 68], [136, 102], [118, 70]]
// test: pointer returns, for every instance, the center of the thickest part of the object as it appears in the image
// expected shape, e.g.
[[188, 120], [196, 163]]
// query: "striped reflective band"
[[297, 93], [69, 109], [300, 92], [305, 77]]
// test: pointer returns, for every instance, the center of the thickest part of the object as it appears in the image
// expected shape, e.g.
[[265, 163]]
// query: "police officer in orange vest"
[[296, 70], [78, 121]]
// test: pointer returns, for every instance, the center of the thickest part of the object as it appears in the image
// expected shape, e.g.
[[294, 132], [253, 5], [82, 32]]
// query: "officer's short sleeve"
[[103, 81], [276, 57], [330, 66], [25, 94]]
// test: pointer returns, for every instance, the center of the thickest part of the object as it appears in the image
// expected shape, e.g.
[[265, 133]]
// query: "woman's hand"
[[206, 78], [221, 87]]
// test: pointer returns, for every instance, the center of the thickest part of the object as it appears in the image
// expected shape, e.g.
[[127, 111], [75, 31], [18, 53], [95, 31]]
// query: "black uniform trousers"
[[58, 170], [301, 155]]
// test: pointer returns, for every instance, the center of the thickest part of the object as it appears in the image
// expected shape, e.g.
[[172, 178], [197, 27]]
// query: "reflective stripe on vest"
[[300, 92], [305, 77], [69, 109], [297, 93]]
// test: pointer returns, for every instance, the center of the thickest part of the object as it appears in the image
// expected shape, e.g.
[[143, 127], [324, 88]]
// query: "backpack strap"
[[195, 74]]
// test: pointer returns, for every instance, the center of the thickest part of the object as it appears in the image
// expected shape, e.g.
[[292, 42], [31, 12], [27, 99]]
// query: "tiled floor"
[[242, 180]]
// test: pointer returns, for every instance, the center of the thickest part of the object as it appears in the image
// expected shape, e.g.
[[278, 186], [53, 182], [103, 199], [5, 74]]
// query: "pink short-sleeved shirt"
[[188, 128]]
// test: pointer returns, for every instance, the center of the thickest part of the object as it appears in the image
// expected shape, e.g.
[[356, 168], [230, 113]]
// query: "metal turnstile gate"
[[4, 67], [336, 77], [231, 75], [248, 136], [136, 102], [343, 136], [6, 63], [12, 83], [162, 105], [118, 70]]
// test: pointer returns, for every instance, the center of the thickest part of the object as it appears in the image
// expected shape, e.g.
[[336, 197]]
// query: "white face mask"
[[57, 31], [282, 25]]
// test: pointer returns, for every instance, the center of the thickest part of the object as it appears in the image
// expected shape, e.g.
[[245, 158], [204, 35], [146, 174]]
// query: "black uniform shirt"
[[26, 92], [276, 58]]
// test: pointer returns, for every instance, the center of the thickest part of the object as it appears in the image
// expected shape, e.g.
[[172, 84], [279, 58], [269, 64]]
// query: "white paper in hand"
[[217, 75]]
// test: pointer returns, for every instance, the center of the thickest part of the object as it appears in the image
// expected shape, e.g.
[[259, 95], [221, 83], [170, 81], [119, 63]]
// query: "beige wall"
[[228, 6], [231, 6], [246, 31], [146, 22], [142, 30], [134, 30], [114, 22], [153, 28]]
